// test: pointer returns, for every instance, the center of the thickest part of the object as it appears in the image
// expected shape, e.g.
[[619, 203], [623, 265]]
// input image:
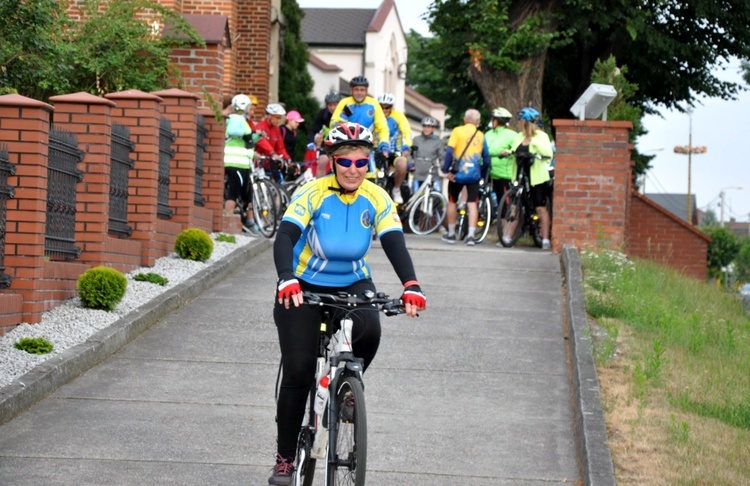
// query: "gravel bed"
[[70, 323]]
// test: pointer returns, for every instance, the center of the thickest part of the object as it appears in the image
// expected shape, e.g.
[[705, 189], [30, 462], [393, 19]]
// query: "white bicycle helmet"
[[428, 121], [275, 109], [241, 102], [386, 99], [348, 133]]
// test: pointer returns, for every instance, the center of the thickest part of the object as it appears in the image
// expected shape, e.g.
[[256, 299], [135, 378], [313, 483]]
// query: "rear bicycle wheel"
[[462, 223], [511, 222], [264, 209], [484, 218], [427, 213], [347, 446]]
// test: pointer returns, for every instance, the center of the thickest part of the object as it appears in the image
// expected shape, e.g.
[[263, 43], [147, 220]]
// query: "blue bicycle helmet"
[[529, 114]]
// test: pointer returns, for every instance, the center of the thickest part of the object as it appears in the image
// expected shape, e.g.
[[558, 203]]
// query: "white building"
[[349, 42]]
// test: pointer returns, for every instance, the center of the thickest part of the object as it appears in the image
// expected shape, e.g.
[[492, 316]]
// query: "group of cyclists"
[[325, 234]]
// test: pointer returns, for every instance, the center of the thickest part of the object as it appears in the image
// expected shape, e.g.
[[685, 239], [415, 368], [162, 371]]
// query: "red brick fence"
[[594, 198], [36, 280]]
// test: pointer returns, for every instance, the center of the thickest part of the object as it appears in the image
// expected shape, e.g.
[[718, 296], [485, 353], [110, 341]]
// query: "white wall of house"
[[386, 50], [325, 82]]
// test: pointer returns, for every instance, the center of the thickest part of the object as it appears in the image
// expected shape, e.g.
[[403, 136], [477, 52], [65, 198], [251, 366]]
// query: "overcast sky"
[[718, 125]]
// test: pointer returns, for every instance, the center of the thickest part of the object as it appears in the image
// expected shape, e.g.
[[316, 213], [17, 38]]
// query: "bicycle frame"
[[336, 361]]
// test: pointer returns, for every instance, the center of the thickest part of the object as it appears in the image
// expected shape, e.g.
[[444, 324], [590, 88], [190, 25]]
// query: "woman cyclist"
[[532, 140], [322, 246]]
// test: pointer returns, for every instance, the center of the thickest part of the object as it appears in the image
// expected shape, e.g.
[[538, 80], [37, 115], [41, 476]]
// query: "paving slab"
[[476, 390]]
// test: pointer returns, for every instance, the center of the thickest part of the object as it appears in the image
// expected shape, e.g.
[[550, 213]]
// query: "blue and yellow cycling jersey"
[[337, 230], [368, 113]]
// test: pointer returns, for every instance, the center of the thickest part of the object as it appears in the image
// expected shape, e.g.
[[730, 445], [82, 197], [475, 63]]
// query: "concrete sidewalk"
[[478, 389]]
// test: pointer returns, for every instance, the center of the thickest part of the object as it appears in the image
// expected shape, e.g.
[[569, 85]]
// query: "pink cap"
[[294, 116]]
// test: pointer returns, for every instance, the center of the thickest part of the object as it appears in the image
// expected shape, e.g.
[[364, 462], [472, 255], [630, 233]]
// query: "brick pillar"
[[24, 128], [90, 119], [592, 182], [252, 45], [140, 112], [180, 107]]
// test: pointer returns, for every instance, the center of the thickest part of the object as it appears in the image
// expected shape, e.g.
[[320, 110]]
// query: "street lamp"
[[723, 195], [689, 150]]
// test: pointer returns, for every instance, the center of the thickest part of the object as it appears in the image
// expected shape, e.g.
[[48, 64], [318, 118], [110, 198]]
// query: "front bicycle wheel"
[[484, 218], [264, 209], [347, 446], [427, 213], [511, 221]]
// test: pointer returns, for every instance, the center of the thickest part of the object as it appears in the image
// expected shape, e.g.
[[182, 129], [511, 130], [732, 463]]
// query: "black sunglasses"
[[344, 162], [386, 107]]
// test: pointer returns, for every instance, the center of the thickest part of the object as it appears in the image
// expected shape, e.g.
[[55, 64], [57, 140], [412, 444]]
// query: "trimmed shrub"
[[101, 288], [36, 345], [151, 277], [194, 244]]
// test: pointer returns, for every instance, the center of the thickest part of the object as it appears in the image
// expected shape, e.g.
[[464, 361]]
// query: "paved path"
[[475, 391]]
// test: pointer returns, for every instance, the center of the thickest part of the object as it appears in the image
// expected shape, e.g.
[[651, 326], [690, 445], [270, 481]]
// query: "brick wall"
[[657, 234], [252, 45], [38, 284], [592, 182], [595, 203]]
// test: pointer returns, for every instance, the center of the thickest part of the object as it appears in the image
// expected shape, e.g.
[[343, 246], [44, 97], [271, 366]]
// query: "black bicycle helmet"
[[359, 81], [333, 97], [348, 133]]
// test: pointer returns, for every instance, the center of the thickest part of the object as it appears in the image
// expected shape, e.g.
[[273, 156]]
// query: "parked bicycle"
[[485, 213], [517, 212], [427, 206], [341, 442], [265, 200]]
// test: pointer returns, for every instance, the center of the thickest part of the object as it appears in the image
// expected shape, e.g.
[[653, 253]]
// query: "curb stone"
[[591, 430], [51, 374]]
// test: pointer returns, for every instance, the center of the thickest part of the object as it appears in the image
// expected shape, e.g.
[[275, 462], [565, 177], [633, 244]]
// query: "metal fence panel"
[[166, 152], [7, 168], [63, 175], [120, 166], [201, 147]]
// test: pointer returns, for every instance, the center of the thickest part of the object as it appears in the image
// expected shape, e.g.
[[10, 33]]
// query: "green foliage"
[[152, 277], [709, 218], [691, 337], [117, 46], [35, 345], [34, 48], [443, 78], [194, 244], [742, 261], [101, 288], [295, 82], [607, 72], [226, 238], [721, 250]]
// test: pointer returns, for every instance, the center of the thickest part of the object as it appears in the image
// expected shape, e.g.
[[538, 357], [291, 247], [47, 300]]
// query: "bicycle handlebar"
[[390, 307]]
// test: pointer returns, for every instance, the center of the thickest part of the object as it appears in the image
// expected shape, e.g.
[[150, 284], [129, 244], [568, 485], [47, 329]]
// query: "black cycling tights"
[[299, 334]]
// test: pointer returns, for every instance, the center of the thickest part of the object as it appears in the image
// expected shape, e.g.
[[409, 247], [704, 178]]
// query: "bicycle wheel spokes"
[[347, 458], [511, 221], [427, 213], [484, 219], [264, 209]]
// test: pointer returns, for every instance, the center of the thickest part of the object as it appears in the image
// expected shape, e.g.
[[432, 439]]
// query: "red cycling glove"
[[413, 295], [286, 288]]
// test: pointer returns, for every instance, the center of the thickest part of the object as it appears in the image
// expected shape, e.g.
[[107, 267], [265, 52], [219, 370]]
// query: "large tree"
[[542, 52], [295, 82]]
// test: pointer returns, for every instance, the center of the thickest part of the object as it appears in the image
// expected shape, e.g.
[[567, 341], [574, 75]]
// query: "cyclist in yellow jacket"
[[399, 138]]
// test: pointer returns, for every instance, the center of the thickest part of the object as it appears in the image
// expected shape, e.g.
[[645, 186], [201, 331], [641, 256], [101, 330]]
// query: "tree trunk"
[[515, 90], [512, 91]]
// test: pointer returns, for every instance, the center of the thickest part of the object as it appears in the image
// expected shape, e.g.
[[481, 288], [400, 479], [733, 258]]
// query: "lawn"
[[673, 357]]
